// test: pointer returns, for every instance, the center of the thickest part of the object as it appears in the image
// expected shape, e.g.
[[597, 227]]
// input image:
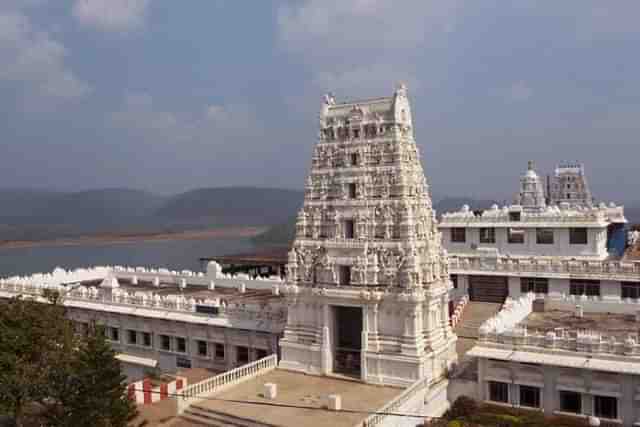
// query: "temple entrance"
[[488, 288], [348, 340]]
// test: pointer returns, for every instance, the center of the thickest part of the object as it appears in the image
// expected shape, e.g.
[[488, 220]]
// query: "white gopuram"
[[368, 282]]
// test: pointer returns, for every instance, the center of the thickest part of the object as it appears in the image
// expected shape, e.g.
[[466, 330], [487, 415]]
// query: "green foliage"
[[466, 412], [463, 407], [51, 376]]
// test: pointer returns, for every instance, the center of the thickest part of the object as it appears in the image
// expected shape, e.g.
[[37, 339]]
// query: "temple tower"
[[569, 184], [531, 194], [368, 282]]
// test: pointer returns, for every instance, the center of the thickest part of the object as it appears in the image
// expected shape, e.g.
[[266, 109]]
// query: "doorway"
[[348, 339], [493, 289]]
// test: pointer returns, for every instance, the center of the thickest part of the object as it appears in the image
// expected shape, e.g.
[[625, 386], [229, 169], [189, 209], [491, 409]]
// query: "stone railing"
[[199, 391], [275, 315], [459, 310], [396, 405], [550, 215], [512, 313], [583, 341], [608, 270], [213, 276]]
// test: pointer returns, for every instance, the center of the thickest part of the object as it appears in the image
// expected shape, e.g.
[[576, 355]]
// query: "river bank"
[[124, 238]]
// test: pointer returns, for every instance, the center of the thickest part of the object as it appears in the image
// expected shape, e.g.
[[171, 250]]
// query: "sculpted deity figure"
[[337, 224], [324, 187]]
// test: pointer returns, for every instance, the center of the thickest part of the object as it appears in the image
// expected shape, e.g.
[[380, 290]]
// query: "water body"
[[172, 254]]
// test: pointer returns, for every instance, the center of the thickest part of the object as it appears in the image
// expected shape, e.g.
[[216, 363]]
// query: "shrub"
[[463, 407]]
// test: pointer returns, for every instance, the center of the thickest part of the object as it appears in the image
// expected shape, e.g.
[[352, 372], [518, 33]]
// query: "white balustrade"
[[396, 404], [199, 391], [607, 270]]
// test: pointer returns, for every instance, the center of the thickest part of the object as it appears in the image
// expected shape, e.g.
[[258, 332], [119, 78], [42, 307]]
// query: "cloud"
[[518, 92], [140, 116], [363, 45], [111, 15], [34, 64]]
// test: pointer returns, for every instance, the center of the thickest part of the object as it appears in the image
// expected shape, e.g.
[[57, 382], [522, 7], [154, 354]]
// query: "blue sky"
[[167, 96]]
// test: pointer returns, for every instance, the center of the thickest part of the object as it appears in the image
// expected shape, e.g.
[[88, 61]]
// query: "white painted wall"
[[596, 244], [552, 379]]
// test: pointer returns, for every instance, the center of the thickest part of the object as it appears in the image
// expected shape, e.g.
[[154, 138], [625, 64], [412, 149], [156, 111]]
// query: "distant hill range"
[[282, 234], [42, 215]]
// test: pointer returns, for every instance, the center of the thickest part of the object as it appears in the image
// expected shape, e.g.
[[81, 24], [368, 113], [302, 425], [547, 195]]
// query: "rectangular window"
[[537, 285], [132, 336], [345, 275], [356, 133], [458, 235], [630, 290], [514, 216], [181, 345], [570, 401], [202, 348], [544, 236], [578, 236], [348, 229], [584, 287], [515, 235], [352, 190], [242, 355], [165, 342], [114, 334], [183, 362], [454, 280], [605, 407], [219, 351], [146, 339], [498, 392], [354, 159], [261, 354], [487, 235], [529, 396]]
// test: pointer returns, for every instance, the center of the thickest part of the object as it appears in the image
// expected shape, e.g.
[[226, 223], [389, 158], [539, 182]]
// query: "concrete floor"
[[302, 390]]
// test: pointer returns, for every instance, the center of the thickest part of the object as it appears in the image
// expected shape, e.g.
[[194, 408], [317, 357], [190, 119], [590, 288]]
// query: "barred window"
[[630, 290], [584, 287], [498, 392], [544, 236], [458, 235], [487, 235], [529, 396], [538, 285], [578, 236], [515, 235]]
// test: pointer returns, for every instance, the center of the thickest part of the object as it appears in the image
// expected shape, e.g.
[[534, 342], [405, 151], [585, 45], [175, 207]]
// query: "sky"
[[167, 95]]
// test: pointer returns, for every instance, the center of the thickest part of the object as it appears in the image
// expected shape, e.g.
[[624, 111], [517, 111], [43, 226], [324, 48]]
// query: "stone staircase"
[[198, 415], [474, 315]]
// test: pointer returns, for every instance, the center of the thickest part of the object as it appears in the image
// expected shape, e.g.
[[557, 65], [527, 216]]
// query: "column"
[[325, 348]]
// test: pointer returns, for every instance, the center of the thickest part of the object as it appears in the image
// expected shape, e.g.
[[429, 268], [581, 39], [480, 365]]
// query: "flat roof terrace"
[[608, 324], [228, 294], [297, 389]]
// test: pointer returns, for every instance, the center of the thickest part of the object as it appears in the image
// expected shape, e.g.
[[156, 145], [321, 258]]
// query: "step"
[[210, 418], [224, 419]]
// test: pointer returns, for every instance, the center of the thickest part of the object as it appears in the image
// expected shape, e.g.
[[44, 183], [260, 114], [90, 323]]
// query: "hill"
[[42, 215], [282, 234], [231, 206]]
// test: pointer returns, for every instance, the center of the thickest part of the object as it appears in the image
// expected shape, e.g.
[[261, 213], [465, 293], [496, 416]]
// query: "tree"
[[91, 388], [32, 335], [63, 378]]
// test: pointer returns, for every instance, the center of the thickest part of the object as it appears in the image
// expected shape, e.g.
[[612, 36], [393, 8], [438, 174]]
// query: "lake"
[[172, 254]]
